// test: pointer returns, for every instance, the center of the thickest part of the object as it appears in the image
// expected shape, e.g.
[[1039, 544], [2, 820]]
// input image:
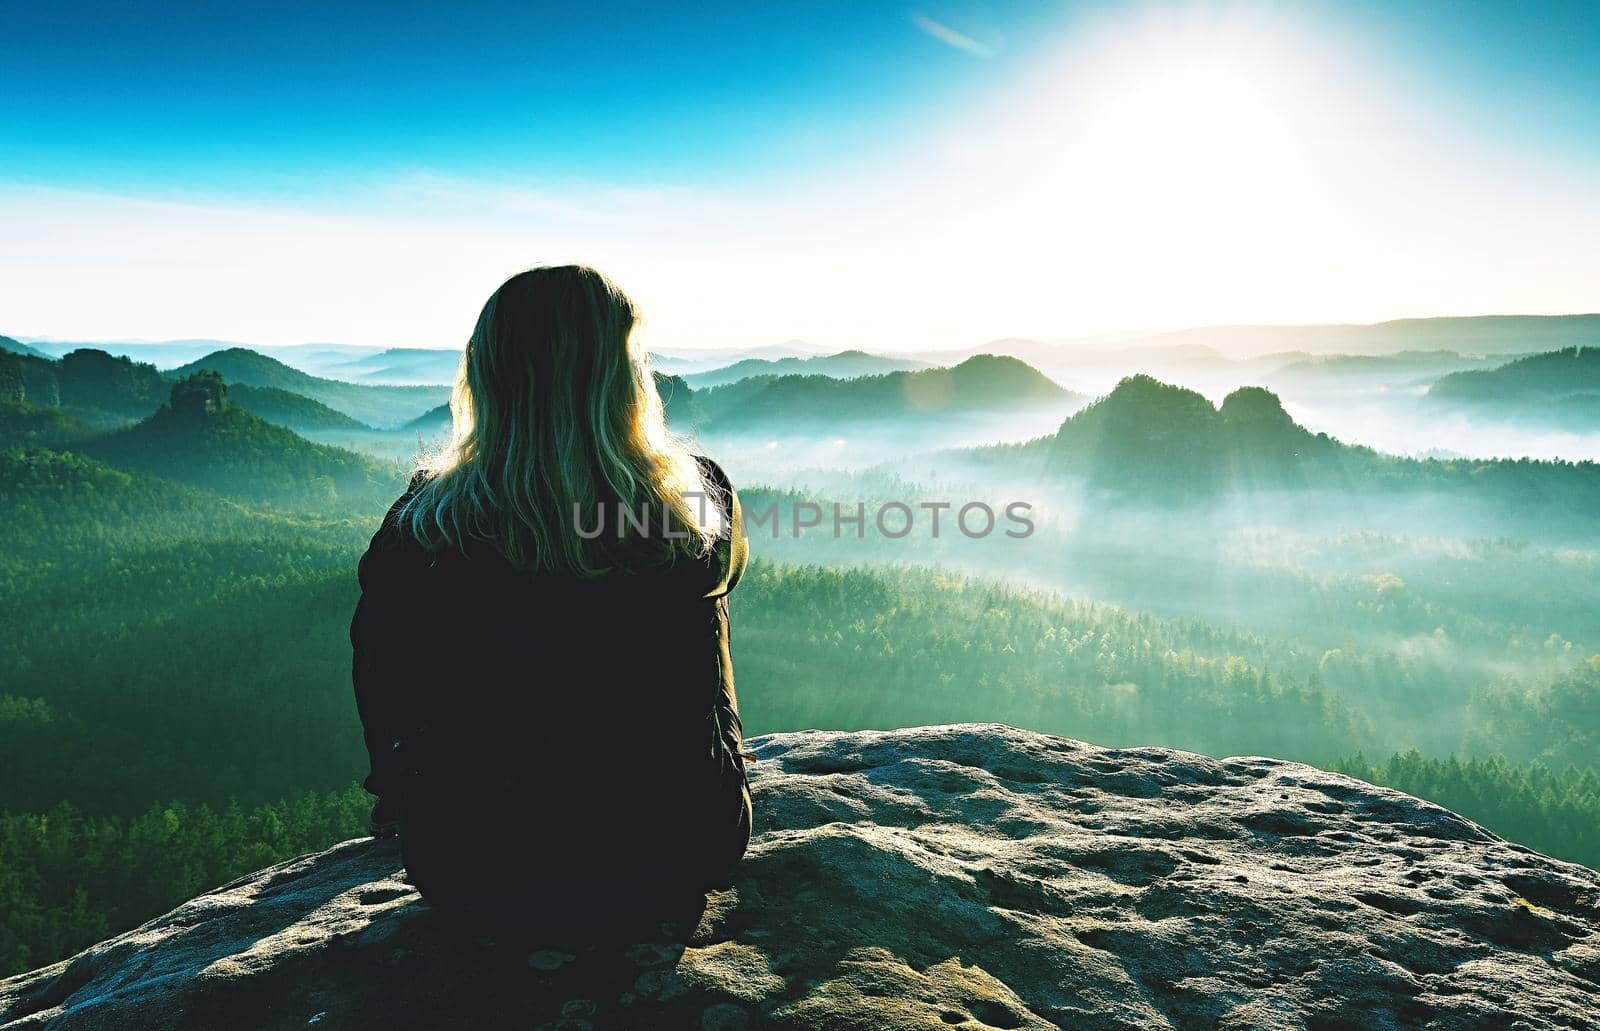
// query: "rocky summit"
[[948, 877]]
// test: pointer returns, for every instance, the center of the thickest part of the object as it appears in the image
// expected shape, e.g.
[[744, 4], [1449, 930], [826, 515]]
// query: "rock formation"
[[969, 876]]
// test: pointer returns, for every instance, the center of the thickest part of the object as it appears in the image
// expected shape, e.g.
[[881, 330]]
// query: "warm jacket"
[[549, 728]]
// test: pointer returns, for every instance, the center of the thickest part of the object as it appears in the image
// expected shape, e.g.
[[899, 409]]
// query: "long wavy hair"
[[556, 422]]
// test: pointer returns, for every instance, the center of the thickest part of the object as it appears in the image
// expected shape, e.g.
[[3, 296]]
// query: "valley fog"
[[1384, 564]]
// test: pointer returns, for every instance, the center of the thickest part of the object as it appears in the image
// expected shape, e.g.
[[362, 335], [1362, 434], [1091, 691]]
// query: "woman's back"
[[560, 747]]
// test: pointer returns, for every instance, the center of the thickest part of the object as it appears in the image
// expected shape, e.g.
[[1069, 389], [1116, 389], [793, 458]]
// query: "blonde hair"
[[556, 418]]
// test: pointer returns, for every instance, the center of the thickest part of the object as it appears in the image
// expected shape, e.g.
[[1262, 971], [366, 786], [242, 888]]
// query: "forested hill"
[[434, 420], [401, 365], [1376, 370], [1155, 441], [103, 392], [844, 365], [18, 347], [25, 424], [982, 384], [1150, 437], [92, 386], [1558, 387], [381, 406], [293, 411], [201, 439], [679, 400]]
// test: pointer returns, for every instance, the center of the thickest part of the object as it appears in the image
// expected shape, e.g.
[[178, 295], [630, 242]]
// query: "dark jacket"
[[546, 734]]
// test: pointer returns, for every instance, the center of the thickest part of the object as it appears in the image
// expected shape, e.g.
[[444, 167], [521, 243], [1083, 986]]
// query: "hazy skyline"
[[892, 177]]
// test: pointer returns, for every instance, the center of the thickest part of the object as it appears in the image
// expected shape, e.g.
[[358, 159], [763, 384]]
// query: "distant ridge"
[[375, 405], [844, 365], [1415, 367], [292, 411], [1266, 346], [683, 362], [202, 439], [1150, 442], [401, 366], [1554, 374], [434, 420], [18, 347], [1471, 334], [1557, 388], [983, 383]]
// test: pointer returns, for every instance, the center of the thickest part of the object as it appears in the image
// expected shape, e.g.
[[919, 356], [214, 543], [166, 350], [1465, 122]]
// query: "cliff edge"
[[966, 876]]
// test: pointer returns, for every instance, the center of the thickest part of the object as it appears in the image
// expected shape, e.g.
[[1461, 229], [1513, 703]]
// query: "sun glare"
[[1172, 164], [1194, 154], [1199, 132]]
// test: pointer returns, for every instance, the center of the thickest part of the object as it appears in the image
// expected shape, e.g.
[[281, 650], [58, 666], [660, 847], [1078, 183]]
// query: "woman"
[[541, 646]]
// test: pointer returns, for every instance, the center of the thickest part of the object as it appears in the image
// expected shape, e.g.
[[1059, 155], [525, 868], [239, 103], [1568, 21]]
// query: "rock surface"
[[969, 876]]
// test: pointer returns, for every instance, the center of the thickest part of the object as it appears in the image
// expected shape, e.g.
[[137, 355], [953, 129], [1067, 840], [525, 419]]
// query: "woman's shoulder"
[[393, 541], [713, 473], [729, 553], [717, 485], [393, 520]]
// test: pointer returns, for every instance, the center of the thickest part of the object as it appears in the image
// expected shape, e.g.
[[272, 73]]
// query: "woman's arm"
[[378, 642], [734, 561], [733, 550], [370, 642]]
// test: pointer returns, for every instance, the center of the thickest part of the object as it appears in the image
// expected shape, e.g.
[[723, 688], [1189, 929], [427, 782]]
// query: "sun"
[[1201, 147]]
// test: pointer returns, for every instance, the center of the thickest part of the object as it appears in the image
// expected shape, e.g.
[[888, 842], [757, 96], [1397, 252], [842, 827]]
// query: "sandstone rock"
[[969, 876]]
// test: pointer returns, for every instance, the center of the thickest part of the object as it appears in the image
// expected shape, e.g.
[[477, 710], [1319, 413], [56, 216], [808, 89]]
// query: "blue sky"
[[186, 97], [873, 174]]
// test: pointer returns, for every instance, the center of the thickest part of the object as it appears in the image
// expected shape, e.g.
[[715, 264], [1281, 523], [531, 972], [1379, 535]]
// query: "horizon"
[[882, 179], [1111, 340]]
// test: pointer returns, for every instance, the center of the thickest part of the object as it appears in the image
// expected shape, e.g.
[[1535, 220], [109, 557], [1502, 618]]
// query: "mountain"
[[400, 365], [1482, 334], [844, 365], [18, 347], [1340, 372], [201, 439], [984, 384], [92, 385], [1117, 352], [434, 420], [109, 391], [705, 359], [1558, 387], [958, 876], [154, 352], [380, 406], [350, 362], [1152, 441], [97, 388], [1149, 438], [293, 411]]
